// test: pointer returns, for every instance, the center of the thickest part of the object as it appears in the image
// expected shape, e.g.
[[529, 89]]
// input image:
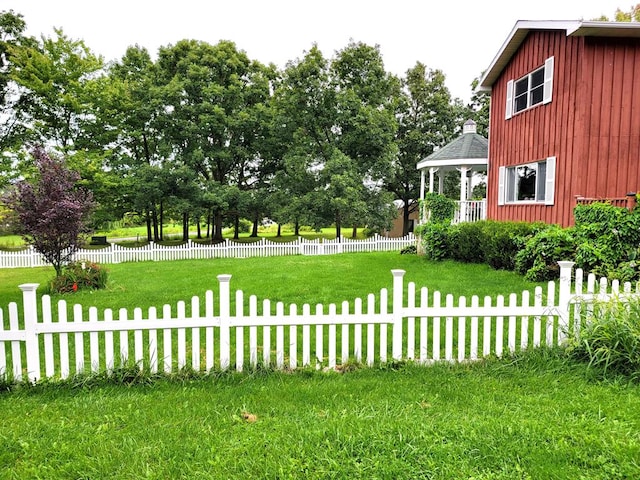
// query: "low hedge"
[[486, 241], [605, 240]]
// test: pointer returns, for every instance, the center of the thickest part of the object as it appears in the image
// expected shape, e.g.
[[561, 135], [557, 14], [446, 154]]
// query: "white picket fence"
[[45, 343], [115, 253]]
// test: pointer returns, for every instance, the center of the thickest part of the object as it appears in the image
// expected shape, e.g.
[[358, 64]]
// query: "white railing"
[[467, 211], [115, 253], [470, 211], [414, 324]]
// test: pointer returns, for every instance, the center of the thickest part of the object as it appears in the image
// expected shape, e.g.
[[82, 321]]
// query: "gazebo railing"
[[467, 211], [470, 211]]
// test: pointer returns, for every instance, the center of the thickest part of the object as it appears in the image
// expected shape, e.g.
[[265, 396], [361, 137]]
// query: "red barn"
[[565, 118]]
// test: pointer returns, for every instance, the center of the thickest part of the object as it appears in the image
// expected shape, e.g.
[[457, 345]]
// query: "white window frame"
[[547, 89], [508, 186]]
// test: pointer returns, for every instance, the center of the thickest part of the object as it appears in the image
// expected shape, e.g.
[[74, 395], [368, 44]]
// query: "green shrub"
[[435, 240], [610, 341], [370, 232], [464, 242], [538, 260], [501, 242], [592, 257], [409, 250], [441, 209], [487, 241], [80, 276], [607, 240], [244, 225], [625, 271]]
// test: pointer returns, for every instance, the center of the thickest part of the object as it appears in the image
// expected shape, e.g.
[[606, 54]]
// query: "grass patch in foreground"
[[527, 419]]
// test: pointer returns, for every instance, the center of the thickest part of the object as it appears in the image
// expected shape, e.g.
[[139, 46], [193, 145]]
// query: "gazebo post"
[[432, 172], [463, 193]]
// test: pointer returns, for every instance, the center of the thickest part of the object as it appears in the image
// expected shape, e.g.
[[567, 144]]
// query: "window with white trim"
[[534, 88], [528, 90], [528, 183]]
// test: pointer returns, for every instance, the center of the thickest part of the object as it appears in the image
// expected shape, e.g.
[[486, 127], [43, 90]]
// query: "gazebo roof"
[[470, 149]]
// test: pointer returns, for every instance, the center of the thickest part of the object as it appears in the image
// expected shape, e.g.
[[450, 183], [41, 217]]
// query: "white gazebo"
[[467, 154]]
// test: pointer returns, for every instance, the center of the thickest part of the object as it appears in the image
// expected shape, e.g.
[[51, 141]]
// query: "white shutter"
[[548, 80], [509, 108], [502, 176], [550, 181]]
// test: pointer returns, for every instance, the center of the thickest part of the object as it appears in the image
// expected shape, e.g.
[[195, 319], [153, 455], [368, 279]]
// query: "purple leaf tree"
[[51, 211]]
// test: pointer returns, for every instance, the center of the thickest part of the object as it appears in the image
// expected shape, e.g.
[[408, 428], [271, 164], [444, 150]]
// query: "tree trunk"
[[208, 224], [185, 226], [254, 231], [296, 228], [216, 237], [161, 220], [279, 234], [154, 219], [405, 219], [354, 232], [236, 227], [338, 227], [199, 229], [147, 218]]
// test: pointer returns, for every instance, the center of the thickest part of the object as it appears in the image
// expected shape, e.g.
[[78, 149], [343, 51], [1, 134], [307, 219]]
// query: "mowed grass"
[[533, 419], [294, 279], [536, 416]]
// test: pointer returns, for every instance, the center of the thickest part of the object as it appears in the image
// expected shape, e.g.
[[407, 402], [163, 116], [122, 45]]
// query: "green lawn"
[[524, 420], [11, 241], [292, 279], [537, 416]]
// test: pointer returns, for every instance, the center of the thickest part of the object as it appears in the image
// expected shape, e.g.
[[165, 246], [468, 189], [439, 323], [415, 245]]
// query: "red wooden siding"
[[592, 125], [612, 83]]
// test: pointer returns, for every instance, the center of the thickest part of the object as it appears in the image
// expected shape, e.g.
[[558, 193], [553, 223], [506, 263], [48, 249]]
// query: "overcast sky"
[[458, 37]]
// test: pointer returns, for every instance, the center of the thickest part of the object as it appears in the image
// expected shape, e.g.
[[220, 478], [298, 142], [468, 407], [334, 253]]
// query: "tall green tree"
[[367, 94], [212, 93], [131, 113], [428, 117], [56, 76], [12, 100], [292, 195], [341, 127], [478, 108]]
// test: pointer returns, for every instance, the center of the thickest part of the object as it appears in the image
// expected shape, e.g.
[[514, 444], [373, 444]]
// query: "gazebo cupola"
[[467, 154]]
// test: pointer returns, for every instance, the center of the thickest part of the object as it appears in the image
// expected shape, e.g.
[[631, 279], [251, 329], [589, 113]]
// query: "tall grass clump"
[[610, 341]]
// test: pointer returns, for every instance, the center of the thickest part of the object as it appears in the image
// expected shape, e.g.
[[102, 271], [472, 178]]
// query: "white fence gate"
[[45, 342]]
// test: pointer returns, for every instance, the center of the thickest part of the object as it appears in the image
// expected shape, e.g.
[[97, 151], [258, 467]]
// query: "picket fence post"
[[225, 312], [398, 294], [33, 256], [564, 297], [30, 306]]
